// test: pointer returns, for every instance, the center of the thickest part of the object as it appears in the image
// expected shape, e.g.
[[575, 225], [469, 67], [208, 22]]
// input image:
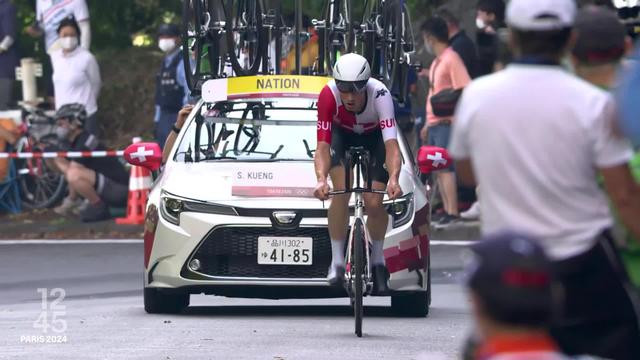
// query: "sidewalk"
[[45, 224]]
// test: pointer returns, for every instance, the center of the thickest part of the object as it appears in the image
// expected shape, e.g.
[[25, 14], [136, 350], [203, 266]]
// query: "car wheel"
[[412, 304], [157, 302]]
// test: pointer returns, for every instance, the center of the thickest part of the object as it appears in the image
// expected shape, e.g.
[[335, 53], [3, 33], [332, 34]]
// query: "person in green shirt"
[[600, 46]]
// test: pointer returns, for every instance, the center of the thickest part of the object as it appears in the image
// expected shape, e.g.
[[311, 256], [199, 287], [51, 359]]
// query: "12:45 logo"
[[52, 313]]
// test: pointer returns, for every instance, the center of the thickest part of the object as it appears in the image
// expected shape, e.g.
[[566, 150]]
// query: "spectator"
[[514, 298], [628, 100], [597, 54], [601, 43], [9, 135], [103, 182], [8, 52], [490, 17], [460, 41], [447, 72], [534, 136], [76, 75], [172, 91], [50, 13], [308, 51]]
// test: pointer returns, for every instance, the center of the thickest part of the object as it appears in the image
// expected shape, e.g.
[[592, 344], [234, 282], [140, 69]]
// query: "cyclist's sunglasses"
[[351, 86]]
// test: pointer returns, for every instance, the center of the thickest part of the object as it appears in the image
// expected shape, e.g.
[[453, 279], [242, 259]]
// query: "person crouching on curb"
[[514, 299], [102, 181]]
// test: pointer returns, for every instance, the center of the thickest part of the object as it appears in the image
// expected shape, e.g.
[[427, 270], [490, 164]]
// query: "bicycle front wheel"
[[40, 186], [245, 38], [358, 273]]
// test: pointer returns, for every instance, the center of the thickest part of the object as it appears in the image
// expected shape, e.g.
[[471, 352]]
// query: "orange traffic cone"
[[139, 186]]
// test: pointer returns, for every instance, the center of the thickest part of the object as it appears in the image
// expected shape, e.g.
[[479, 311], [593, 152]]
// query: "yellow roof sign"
[[268, 86]]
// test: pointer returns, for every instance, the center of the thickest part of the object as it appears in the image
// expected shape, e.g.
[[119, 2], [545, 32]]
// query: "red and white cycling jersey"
[[378, 112]]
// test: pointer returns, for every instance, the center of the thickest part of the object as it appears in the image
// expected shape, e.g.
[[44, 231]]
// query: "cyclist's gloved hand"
[[322, 190], [393, 189]]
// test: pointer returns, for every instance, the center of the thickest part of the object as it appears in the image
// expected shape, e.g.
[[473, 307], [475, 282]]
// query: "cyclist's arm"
[[326, 111], [393, 158], [387, 118]]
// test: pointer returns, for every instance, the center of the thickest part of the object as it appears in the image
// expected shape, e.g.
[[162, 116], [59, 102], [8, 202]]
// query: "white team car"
[[233, 214]]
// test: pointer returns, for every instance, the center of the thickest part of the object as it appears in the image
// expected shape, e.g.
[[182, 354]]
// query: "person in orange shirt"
[[8, 135], [447, 72], [308, 52]]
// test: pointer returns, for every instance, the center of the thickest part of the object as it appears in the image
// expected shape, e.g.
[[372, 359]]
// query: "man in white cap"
[[536, 138]]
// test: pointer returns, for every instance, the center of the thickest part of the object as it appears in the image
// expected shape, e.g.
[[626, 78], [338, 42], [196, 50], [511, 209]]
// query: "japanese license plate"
[[274, 250]]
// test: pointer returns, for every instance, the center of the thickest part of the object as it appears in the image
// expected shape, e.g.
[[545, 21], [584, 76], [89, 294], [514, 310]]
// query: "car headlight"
[[171, 209], [172, 206], [401, 210]]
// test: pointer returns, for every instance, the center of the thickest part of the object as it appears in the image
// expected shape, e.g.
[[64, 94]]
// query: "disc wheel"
[[358, 282]]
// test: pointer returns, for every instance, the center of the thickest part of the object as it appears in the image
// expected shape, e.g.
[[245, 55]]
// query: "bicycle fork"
[[359, 214]]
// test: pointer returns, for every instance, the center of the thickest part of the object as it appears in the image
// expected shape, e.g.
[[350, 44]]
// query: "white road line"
[[83, 241], [140, 241], [452, 242]]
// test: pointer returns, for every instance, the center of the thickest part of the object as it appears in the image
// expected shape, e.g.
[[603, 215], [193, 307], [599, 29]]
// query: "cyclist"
[[356, 110]]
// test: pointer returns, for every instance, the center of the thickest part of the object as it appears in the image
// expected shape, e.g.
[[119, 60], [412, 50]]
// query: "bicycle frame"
[[358, 158], [358, 191]]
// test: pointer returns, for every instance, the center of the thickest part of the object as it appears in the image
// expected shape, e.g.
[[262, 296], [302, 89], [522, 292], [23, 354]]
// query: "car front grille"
[[232, 252]]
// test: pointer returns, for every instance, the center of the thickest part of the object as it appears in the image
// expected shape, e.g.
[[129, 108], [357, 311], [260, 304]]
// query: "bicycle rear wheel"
[[358, 281], [40, 186], [193, 39], [339, 33], [245, 36], [392, 46]]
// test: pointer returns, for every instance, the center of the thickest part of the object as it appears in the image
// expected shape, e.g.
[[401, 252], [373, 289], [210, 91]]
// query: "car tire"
[[157, 302], [412, 304]]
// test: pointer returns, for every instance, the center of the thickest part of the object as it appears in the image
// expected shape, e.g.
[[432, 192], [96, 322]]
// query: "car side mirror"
[[432, 158], [145, 154]]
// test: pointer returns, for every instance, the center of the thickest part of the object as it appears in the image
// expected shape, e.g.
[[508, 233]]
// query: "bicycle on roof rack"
[[387, 41], [226, 37], [223, 38]]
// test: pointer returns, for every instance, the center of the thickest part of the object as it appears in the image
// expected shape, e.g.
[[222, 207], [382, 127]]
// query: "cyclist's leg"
[[82, 180], [338, 214], [377, 217]]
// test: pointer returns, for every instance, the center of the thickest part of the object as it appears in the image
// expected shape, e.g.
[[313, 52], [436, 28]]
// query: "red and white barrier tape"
[[61, 154]]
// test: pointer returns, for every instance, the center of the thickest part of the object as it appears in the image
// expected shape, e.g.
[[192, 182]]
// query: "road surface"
[[104, 317]]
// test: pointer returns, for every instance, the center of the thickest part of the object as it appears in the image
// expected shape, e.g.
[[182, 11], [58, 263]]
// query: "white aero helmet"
[[351, 72]]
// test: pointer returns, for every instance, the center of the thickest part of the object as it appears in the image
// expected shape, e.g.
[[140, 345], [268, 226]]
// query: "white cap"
[[541, 15]]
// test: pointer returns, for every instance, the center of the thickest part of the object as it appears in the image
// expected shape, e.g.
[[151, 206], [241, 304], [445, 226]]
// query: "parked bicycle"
[[40, 186]]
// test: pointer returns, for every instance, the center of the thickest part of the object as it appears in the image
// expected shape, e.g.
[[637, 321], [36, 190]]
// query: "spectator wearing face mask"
[[49, 14], [172, 91], [489, 21], [76, 74]]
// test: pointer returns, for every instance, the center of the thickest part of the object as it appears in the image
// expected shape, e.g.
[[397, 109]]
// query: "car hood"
[[254, 185]]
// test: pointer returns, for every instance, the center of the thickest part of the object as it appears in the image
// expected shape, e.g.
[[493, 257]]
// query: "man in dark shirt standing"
[[490, 18], [8, 52], [460, 41], [102, 181]]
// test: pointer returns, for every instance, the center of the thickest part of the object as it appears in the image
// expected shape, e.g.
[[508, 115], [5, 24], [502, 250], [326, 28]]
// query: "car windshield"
[[254, 130]]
